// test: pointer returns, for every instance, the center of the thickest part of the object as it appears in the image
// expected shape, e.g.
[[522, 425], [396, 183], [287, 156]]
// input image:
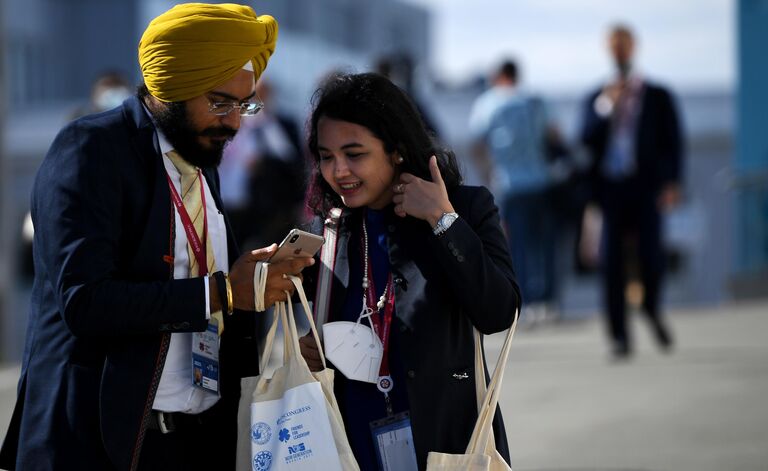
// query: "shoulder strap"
[[327, 265], [482, 435]]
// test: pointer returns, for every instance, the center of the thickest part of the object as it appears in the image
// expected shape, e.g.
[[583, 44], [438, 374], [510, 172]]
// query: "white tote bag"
[[481, 453], [291, 421]]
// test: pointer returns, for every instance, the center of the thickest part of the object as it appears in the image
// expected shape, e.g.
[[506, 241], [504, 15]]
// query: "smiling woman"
[[354, 163], [426, 256], [368, 112]]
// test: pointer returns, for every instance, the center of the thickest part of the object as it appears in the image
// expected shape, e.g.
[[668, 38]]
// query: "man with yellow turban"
[[139, 330]]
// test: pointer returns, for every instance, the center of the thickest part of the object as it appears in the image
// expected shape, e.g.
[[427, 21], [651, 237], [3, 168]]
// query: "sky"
[[561, 46]]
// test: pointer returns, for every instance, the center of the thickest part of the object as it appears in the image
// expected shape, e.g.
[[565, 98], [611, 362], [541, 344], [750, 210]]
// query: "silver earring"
[[399, 159]]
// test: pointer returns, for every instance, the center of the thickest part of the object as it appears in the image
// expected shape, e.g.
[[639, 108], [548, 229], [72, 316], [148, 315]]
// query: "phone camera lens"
[[293, 239]]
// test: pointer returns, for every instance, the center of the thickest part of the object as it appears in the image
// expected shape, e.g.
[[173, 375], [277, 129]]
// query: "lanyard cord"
[[198, 247], [368, 282], [381, 322], [381, 311]]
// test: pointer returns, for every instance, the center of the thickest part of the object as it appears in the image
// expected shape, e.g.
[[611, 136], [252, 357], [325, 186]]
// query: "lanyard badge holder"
[[392, 435], [393, 443], [205, 358]]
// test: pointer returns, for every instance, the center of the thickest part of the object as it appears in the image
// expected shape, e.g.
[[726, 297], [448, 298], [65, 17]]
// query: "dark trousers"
[[208, 446], [630, 210], [530, 227]]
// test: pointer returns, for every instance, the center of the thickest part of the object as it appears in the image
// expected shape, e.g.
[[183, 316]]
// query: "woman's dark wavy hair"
[[372, 101]]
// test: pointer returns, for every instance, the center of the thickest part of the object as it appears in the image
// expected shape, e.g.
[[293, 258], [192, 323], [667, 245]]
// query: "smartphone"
[[298, 243]]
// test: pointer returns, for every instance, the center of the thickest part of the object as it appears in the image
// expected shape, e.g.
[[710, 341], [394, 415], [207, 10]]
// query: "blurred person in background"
[[632, 131], [511, 136], [108, 91], [263, 175], [398, 67], [130, 253], [423, 252]]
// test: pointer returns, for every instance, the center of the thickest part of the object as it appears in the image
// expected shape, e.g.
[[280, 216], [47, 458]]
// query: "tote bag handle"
[[483, 431], [281, 307]]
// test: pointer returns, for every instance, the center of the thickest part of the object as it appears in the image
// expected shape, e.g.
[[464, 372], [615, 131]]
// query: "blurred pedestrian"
[[108, 91], [510, 130], [632, 131], [263, 175], [398, 67], [420, 252], [131, 253]]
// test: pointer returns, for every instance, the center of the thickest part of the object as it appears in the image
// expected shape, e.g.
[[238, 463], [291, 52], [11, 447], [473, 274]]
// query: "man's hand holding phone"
[[294, 253], [241, 277]]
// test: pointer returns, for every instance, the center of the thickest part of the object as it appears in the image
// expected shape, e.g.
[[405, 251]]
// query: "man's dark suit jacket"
[[658, 145], [103, 303]]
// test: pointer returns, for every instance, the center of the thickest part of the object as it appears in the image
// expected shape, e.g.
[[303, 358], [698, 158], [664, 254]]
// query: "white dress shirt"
[[176, 393]]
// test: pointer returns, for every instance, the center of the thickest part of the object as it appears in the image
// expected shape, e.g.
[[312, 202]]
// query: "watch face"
[[445, 221], [448, 218]]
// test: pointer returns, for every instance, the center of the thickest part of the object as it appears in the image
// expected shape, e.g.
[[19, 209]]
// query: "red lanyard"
[[382, 324], [198, 248]]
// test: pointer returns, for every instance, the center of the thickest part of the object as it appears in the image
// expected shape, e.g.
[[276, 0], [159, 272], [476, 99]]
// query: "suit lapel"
[[409, 283], [155, 249]]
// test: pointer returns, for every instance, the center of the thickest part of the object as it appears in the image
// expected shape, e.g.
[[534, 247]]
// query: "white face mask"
[[111, 97], [354, 348]]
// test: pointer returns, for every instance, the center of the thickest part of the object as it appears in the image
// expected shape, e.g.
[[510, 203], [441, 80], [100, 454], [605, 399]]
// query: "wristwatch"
[[444, 223]]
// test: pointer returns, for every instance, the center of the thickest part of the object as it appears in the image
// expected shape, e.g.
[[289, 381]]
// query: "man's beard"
[[175, 125]]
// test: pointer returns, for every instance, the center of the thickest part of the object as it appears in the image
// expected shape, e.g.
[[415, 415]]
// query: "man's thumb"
[[263, 253]]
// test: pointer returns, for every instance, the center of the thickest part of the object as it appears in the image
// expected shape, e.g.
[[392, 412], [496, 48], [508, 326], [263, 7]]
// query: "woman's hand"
[[310, 352], [420, 198]]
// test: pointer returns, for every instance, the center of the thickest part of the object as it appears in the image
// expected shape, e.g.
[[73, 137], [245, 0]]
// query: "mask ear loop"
[[366, 313]]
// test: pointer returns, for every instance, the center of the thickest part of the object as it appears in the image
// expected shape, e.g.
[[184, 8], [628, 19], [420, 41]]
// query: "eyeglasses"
[[223, 108]]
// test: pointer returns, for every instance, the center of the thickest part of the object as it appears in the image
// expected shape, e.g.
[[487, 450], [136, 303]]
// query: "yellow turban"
[[195, 47]]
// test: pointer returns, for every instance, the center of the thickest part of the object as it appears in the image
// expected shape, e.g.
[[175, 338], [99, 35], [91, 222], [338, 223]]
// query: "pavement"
[[568, 406]]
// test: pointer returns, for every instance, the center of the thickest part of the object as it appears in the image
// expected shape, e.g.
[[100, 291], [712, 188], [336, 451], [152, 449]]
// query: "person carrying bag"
[[291, 421], [420, 261]]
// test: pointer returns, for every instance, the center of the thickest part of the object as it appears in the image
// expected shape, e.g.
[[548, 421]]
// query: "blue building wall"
[[57, 49], [751, 165]]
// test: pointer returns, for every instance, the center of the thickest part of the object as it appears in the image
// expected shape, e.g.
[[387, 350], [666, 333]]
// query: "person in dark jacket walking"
[[632, 131]]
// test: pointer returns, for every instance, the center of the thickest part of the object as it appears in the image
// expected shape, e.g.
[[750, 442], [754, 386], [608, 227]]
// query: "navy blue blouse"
[[361, 402]]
